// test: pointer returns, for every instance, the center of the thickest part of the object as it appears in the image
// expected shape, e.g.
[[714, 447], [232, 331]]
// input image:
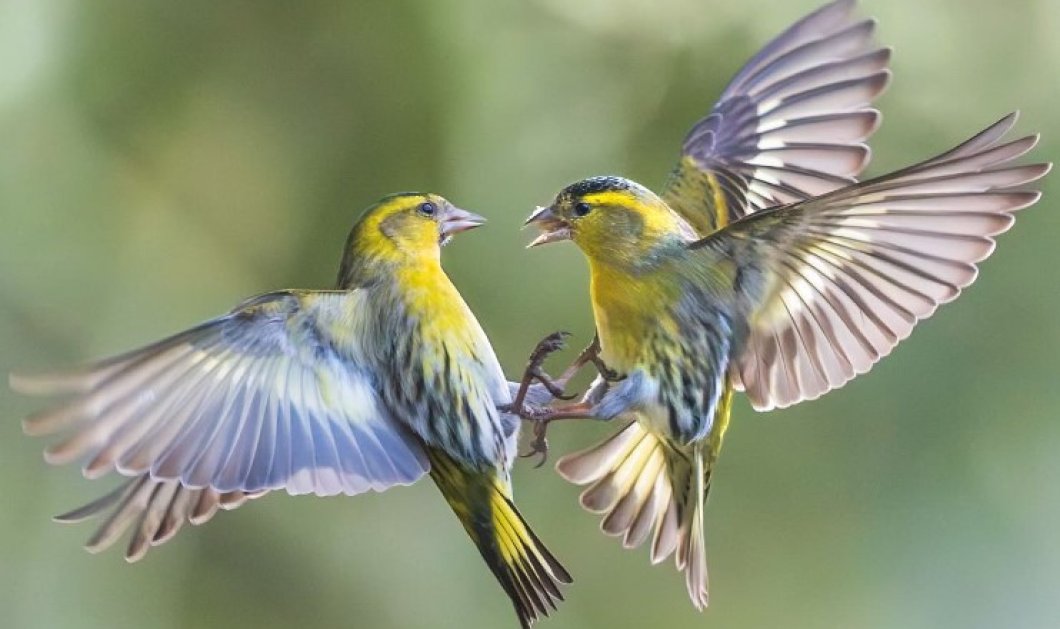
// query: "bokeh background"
[[162, 160]]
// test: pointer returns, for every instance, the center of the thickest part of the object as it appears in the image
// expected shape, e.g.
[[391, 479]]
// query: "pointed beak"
[[553, 228], [457, 220]]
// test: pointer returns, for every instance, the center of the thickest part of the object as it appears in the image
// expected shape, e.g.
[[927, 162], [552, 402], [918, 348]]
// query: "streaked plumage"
[[791, 124], [372, 385], [784, 304]]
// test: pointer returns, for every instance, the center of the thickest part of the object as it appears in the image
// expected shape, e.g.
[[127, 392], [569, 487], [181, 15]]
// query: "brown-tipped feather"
[[158, 509], [857, 268]]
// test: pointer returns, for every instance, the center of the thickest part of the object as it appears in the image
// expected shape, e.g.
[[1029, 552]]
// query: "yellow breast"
[[444, 316], [628, 312]]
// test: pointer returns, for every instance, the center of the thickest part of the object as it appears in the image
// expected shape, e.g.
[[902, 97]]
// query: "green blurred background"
[[160, 161]]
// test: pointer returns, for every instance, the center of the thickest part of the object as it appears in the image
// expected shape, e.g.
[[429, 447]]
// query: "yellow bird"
[[790, 125], [784, 304], [375, 384]]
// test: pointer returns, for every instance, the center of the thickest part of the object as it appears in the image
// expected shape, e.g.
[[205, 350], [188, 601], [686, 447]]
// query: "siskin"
[[783, 304], [375, 384], [790, 125]]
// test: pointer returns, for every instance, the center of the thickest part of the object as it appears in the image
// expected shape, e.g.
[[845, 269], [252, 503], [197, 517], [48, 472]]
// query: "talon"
[[546, 346], [539, 444], [549, 345]]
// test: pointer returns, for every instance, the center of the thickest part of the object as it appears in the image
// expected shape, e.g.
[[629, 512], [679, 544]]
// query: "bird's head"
[[611, 219], [408, 227]]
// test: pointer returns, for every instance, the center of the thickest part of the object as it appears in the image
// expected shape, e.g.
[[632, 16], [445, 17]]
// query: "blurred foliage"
[[162, 160]]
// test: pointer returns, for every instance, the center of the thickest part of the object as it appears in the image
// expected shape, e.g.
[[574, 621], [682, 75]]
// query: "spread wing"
[[273, 395], [790, 124], [851, 273]]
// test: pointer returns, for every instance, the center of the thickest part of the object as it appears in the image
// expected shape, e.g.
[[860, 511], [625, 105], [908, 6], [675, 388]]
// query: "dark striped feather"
[[526, 570], [790, 125], [856, 269]]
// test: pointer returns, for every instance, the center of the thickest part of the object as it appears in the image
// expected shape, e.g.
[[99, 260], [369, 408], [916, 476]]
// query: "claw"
[[549, 345], [545, 347], [539, 444]]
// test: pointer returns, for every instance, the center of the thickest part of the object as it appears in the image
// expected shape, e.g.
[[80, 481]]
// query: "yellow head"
[[403, 228], [613, 220]]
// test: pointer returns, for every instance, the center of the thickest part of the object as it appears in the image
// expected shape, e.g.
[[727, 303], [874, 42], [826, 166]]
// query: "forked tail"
[[528, 572]]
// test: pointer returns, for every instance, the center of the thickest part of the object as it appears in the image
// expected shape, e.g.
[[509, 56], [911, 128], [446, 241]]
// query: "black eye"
[[427, 208], [581, 208]]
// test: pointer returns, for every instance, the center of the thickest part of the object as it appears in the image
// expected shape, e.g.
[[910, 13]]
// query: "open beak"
[[457, 220], [553, 228]]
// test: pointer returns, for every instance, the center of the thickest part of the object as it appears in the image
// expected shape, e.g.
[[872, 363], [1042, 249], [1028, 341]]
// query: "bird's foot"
[[536, 373], [539, 444], [547, 346]]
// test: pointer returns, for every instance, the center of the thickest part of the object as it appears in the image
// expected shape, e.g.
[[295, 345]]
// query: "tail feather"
[[528, 573], [643, 485], [620, 482], [667, 529], [692, 552], [640, 487]]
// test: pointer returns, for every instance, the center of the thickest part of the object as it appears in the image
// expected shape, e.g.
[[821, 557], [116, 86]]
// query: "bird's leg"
[[542, 417], [534, 371], [591, 354]]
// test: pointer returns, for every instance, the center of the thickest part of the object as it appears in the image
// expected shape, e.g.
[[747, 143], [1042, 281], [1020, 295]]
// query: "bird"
[[791, 124], [385, 379], [783, 304]]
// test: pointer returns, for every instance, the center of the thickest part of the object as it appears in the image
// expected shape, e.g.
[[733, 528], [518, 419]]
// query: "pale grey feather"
[[263, 398], [852, 272]]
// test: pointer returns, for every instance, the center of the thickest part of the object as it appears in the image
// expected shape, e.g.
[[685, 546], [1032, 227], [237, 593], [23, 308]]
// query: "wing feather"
[[260, 399], [852, 272], [789, 126]]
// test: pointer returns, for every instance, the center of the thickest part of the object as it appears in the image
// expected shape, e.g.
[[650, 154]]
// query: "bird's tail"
[[644, 484], [528, 572]]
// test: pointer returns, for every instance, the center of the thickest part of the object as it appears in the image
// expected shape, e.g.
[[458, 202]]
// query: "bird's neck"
[[368, 261], [430, 298]]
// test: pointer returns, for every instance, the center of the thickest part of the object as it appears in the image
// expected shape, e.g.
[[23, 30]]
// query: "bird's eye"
[[427, 208], [581, 208]]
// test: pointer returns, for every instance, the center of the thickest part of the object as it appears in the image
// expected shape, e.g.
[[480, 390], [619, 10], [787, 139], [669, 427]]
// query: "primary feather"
[[852, 272], [791, 124]]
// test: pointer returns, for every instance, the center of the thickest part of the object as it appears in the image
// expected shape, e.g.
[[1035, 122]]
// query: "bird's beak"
[[553, 228], [457, 220]]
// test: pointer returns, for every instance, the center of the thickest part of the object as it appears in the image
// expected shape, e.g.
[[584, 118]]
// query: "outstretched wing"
[[273, 395], [851, 273], [790, 124]]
